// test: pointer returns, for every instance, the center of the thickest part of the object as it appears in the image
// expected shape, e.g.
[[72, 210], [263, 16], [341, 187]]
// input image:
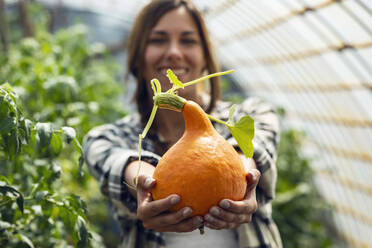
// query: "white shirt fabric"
[[211, 238]]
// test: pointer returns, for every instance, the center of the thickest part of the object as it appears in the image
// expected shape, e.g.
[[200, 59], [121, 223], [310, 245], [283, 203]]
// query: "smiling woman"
[[174, 43], [171, 34]]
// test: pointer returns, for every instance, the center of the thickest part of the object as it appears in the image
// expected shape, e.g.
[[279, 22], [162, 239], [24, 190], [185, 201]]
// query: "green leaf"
[[25, 240], [26, 125], [81, 163], [4, 189], [78, 204], [82, 232], [69, 218], [12, 144], [173, 78], [70, 133], [56, 143], [4, 180], [7, 124], [77, 145], [45, 133], [243, 132]]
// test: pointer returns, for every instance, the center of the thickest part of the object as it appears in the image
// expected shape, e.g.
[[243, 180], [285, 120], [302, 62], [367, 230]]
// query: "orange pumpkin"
[[202, 167]]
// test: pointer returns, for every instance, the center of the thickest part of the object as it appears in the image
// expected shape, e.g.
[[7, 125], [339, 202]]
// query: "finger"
[[153, 208], [248, 206], [167, 219], [144, 186], [222, 214], [253, 177], [227, 216], [250, 194], [216, 223], [187, 225], [230, 226]]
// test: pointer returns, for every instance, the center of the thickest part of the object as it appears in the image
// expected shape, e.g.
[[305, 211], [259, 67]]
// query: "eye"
[[156, 40], [189, 41]]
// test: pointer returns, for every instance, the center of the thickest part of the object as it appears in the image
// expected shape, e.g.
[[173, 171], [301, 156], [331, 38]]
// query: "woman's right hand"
[[155, 215]]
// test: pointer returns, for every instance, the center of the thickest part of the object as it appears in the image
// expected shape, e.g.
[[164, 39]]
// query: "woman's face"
[[174, 43]]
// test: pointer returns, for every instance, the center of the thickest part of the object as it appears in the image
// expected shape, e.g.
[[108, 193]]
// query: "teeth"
[[179, 71], [175, 71]]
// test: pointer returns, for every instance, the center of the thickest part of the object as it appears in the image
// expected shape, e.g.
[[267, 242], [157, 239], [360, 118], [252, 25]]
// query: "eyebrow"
[[160, 32]]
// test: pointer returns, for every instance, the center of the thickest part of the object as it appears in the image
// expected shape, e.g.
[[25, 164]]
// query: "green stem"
[[219, 121], [169, 101], [149, 123], [142, 136], [199, 80]]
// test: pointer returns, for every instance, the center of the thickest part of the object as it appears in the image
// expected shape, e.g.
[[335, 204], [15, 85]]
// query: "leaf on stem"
[[173, 78], [56, 143], [243, 132]]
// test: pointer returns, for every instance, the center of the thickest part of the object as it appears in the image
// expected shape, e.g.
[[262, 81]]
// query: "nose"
[[174, 51]]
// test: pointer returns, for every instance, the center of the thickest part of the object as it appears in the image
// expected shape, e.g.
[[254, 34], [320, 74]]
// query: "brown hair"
[[137, 41]]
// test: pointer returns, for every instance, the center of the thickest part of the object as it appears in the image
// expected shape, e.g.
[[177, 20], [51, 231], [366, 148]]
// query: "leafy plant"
[[58, 80], [298, 209], [33, 213]]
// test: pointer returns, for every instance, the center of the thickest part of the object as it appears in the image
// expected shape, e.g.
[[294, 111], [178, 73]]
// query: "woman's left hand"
[[231, 214]]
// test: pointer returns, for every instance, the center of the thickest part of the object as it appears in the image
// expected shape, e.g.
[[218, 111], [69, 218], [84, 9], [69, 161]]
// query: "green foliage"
[[61, 82], [32, 212], [297, 209], [60, 86]]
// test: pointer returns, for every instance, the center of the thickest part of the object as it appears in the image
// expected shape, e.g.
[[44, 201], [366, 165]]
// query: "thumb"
[[144, 186], [253, 177]]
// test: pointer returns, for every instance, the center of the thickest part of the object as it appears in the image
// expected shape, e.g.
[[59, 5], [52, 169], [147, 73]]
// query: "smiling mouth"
[[178, 71]]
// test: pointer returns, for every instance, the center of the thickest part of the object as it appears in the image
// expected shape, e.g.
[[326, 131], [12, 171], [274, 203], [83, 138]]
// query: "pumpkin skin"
[[202, 167]]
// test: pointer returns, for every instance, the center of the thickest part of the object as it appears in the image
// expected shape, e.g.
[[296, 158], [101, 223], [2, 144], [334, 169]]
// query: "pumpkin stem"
[[201, 230], [169, 101]]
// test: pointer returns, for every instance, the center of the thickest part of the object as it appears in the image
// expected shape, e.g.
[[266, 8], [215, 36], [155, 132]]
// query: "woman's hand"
[[155, 215], [231, 214]]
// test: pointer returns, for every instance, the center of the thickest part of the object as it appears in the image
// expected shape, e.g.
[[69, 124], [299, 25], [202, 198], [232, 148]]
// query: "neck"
[[170, 125]]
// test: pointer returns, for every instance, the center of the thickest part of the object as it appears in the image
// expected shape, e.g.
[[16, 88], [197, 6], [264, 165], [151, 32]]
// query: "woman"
[[172, 34]]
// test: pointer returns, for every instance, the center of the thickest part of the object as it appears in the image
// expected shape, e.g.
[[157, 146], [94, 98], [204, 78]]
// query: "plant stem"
[[217, 120], [199, 80], [148, 125], [207, 77], [142, 136]]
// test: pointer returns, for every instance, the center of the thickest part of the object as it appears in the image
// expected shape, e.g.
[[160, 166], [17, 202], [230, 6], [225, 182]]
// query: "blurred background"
[[63, 62]]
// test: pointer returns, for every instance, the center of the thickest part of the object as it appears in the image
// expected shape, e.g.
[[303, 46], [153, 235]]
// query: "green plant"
[[63, 80], [298, 209], [33, 212]]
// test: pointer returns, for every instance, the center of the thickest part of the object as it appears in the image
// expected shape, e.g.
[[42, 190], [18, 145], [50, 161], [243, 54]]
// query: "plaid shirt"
[[109, 148]]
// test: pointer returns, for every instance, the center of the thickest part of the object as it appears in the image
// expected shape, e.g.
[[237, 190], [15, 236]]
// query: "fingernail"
[[208, 218], [175, 199], [186, 212], [254, 174], [197, 220], [225, 204], [148, 182], [215, 211]]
